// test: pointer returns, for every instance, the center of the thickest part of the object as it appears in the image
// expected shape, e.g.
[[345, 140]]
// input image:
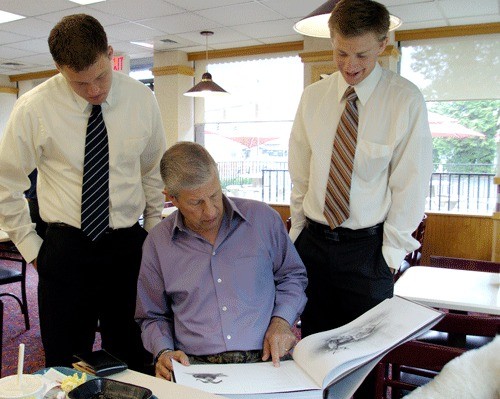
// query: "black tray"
[[104, 388]]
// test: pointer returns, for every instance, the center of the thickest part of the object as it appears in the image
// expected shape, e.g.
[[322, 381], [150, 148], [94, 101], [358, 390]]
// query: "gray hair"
[[186, 166]]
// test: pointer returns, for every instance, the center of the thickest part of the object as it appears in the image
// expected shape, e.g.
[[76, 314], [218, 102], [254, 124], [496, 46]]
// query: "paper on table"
[[234, 378]]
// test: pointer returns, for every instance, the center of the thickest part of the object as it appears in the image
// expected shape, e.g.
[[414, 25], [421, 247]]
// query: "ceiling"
[[176, 24]]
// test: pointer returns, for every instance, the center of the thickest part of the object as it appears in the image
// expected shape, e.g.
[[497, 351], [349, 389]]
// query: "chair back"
[[10, 274], [413, 258], [447, 262], [429, 359]]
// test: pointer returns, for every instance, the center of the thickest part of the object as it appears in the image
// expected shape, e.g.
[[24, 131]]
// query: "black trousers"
[[347, 276], [82, 282]]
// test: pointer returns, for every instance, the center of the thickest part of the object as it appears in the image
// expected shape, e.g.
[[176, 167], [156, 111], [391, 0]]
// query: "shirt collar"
[[365, 88]]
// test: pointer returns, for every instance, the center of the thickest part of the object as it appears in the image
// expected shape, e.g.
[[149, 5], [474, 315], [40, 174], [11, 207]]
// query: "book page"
[[244, 378], [330, 355]]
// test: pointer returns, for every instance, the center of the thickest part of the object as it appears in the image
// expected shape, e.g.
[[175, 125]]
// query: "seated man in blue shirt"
[[220, 281]]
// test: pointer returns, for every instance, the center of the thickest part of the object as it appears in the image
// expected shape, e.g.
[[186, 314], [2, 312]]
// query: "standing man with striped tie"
[[96, 138], [360, 160]]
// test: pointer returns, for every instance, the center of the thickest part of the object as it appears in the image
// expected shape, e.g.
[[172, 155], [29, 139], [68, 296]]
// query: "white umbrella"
[[446, 126]]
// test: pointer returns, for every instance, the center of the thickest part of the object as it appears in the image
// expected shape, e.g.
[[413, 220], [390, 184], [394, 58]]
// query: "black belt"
[[251, 356], [342, 233], [109, 230]]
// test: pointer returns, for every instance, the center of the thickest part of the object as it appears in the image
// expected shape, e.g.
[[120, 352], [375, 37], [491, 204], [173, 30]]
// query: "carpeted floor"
[[14, 330]]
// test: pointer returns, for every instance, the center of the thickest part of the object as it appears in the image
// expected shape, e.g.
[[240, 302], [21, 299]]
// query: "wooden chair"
[[395, 370], [466, 331], [413, 258], [464, 264], [10, 274]]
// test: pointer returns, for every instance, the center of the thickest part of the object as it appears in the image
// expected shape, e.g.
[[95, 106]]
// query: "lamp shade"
[[316, 23], [207, 87]]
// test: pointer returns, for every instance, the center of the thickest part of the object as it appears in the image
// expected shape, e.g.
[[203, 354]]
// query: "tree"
[[468, 155]]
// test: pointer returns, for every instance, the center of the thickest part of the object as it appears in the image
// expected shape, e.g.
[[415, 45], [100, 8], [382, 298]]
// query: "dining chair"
[[447, 262], [9, 274], [466, 331], [395, 372]]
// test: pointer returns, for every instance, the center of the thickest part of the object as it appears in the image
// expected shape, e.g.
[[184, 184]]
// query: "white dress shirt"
[[47, 129], [392, 165]]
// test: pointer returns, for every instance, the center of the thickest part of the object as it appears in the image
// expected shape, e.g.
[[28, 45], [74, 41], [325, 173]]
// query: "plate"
[[104, 388]]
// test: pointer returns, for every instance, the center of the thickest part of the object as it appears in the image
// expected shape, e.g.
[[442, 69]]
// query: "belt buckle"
[[332, 235]]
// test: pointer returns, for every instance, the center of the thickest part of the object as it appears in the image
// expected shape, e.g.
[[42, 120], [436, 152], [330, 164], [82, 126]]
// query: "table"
[[162, 389], [460, 290]]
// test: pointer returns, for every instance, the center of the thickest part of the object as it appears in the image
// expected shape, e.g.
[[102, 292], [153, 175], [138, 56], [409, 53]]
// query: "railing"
[[452, 192]]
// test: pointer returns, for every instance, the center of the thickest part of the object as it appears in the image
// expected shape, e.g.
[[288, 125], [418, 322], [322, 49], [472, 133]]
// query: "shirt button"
[[224, 308], [219, 280], [213, 253], [228, 337]]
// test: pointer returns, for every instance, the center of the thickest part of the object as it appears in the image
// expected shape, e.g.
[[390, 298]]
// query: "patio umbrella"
[[446, 126]]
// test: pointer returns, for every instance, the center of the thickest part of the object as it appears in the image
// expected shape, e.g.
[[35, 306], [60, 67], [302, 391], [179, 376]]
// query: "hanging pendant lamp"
[[207, 87], [316, 23]]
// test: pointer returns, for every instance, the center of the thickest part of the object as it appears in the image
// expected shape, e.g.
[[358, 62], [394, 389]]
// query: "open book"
[[337, 359]]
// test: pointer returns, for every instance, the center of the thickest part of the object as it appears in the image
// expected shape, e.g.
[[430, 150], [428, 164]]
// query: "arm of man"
[[164, 368], [411, 168], [150, 170], [153, 312], [299, 155], [17, 160], [278, 341], [290, 279]]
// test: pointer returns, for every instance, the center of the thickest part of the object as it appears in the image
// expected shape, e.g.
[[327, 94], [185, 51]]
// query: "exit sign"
[[118, 63]]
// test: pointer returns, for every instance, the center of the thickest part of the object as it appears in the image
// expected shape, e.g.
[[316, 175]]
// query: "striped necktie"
[[338, 187], [95, 186]]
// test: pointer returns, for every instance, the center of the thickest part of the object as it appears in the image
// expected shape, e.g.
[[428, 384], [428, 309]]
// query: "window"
[[460, 80], [247, 132]]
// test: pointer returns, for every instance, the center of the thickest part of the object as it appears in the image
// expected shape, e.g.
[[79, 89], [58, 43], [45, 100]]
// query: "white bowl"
[[32, 387]]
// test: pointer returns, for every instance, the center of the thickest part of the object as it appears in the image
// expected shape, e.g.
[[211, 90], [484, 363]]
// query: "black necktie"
[[95, 186]]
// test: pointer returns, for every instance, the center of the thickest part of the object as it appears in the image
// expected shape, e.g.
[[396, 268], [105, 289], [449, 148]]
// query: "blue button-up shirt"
[[205, 299]]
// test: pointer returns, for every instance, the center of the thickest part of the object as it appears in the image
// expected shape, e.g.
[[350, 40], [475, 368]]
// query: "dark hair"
[[77, 41], [186, 166], [353, 18]]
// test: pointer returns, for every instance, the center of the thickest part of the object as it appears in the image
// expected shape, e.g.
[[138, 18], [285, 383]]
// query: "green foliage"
[[468, 155]]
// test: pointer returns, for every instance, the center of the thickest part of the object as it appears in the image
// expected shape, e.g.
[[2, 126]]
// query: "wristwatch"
[[161, 353]]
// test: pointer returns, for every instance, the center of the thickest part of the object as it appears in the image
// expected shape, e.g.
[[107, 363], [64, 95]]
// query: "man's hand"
[[164, 367], [278, 341]]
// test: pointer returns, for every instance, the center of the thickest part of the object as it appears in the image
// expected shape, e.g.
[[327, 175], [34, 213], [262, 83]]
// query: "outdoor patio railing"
[[451, 192]]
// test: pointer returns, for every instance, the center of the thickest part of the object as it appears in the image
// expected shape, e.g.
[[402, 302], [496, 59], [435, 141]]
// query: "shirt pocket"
[[372, 159], [132, 150]]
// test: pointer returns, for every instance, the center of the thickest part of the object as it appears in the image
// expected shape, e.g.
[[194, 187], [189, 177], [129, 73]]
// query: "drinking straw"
[[20, 364]]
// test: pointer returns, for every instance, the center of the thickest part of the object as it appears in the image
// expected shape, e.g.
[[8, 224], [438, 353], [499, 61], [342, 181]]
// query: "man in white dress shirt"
[[350, 267], [83, 280]]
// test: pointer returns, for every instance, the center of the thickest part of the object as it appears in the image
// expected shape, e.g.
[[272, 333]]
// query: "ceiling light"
[[8, 17], [144, 44], [207, 87], [85, 2], [316, 23]]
